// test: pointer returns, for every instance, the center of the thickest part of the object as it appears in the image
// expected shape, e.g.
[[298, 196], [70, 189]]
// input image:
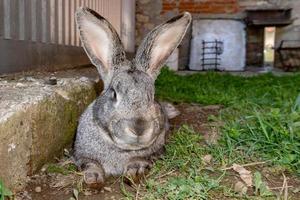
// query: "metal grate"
[[211, 51], [289, 54]]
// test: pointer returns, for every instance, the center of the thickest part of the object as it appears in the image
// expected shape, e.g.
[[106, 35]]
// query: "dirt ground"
[[61, 187]]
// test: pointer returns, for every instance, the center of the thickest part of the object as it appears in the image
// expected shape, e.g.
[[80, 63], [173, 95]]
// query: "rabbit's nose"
[[139, 126]]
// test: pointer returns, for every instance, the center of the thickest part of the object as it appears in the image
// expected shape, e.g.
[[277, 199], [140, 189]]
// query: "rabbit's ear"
[[100, 41], [160, 43]]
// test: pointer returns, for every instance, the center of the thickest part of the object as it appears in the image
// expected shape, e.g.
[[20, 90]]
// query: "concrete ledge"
[[37, 121]]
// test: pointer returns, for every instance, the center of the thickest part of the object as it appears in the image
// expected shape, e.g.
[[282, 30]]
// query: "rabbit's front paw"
[[136, 169], [93, 176]]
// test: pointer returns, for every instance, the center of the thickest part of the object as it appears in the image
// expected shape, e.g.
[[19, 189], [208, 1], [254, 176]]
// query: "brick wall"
[[201, 6]]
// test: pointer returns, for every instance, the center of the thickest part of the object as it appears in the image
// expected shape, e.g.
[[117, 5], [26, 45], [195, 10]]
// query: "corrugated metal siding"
[[41, 34], [51, 21]]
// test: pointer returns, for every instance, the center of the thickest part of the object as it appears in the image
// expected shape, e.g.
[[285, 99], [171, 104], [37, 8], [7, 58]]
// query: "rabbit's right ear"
[[100, 41], [160, 43]]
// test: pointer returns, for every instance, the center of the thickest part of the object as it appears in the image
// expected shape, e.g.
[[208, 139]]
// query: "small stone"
[[51, 81], [30, 79], [108, 189], [207, 159], [20, 85], [38, 189], [84, 79], [240, 188], [27, 78], [44, 168], [87, 193]]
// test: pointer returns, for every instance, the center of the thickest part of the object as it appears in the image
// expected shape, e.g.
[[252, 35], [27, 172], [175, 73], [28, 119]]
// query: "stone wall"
[[255, 35], [291, 32]]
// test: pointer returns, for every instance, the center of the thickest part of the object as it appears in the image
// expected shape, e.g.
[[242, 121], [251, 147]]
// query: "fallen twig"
[[284, 189], [247, 165], [66, 162], [166, 174], [137, 192], [280, 187], [118, 179]]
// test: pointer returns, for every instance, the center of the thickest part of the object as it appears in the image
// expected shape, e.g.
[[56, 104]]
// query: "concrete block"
[[37, 121]]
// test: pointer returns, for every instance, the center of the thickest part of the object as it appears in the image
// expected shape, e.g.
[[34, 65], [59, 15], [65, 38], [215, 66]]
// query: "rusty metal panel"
[[6, 19], [51, 21], [43, 26], [269, 17]]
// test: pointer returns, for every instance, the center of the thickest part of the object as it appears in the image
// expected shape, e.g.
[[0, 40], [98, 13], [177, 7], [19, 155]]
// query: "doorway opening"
[[269, 46]]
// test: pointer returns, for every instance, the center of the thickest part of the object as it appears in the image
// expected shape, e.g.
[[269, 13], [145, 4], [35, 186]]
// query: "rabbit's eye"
[[113, 94]]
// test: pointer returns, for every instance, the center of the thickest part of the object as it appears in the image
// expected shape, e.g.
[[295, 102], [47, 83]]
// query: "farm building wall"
[[150, 13]]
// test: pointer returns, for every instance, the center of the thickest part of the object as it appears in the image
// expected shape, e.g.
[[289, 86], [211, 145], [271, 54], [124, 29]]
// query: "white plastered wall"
[[233, 35]]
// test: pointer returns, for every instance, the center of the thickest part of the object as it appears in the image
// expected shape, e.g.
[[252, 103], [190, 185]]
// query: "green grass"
[[261, 114], [261, 117], [228, 90], [190, 178]]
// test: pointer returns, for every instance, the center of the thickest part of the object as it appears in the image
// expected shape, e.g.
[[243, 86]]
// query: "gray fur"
[[124, 126]]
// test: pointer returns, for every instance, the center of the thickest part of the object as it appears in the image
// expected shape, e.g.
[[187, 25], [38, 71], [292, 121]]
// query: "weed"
[[57, 168], [4, 192]]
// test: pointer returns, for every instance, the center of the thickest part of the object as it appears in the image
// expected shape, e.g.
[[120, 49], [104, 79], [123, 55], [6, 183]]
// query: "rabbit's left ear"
[[100, 41], [160, 43]]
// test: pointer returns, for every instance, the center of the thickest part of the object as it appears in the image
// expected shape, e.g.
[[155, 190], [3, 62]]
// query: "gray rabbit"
[[124, 127]]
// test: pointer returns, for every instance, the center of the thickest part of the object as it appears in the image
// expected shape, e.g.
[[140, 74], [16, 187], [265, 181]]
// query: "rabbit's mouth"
[[135, 134], [120, 143]]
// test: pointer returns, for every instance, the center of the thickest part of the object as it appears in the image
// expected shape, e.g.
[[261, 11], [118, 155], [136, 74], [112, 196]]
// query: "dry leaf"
[[87, 193], [62, 181], [76, 194], [245, 175], [108, 189], [240, 188], [207, 159]]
